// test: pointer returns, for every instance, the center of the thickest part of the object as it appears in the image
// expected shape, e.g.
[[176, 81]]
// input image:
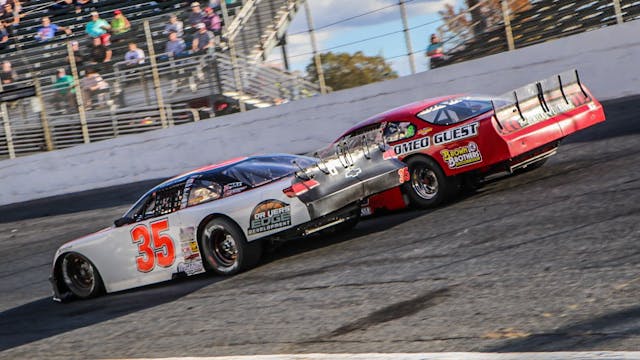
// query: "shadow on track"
[[76, 202], [583, 335], [44, 318], [621, 120]]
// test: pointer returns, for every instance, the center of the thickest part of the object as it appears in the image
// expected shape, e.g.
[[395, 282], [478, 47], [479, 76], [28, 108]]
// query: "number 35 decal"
[[154, 248]]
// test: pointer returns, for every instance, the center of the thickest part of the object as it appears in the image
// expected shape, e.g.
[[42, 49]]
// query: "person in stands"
[[98, 28], [94, 87], [4, 37], [196, 16], [99, 53], [202, 40], [435, 52], [175, 46], [10, 17], [48, 31], [174, 25], [135, 56], [64, 99], [8, 76], [213, 21], [119, 24]]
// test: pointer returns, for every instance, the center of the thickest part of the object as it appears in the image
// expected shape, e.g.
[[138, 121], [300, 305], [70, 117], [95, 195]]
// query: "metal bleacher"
[[254, 27], [545, 20]]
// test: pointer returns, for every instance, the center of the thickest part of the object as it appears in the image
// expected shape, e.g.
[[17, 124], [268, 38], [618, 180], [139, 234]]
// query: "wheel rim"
[[424, 183], [78, 274], [224, 246]]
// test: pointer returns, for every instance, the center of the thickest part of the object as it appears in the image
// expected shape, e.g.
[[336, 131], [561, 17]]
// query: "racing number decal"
[[154, 248]]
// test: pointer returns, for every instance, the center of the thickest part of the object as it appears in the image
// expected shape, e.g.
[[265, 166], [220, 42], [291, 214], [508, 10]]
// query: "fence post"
[[79, 95], [506, 13], [234, 61], [407, 35], [314, 48], [618, 9], [7, 128], [43, 115], [154, 72]]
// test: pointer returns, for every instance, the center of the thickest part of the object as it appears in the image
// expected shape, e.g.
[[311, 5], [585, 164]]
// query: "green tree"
[[344, 71]]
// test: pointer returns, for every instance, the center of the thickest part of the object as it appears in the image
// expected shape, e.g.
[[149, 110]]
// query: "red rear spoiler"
[[540, 101]]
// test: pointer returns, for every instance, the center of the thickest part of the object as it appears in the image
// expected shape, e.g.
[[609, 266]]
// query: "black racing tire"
[[225, 248], [428, 186], [80, 276]]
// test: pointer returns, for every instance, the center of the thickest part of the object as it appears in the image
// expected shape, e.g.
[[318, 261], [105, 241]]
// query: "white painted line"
[[592, 355]]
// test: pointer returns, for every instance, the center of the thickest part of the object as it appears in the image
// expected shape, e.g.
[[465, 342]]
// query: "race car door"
[[146, 251]]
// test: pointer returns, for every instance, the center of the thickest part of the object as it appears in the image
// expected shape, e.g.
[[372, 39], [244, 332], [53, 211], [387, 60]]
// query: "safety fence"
[[493, 26]]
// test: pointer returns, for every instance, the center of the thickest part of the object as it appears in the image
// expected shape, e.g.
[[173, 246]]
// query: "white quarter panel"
[[134, 255], [240, 208]]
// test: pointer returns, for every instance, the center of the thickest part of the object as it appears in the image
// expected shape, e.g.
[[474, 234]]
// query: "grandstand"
[[544, 20], [186, 84]]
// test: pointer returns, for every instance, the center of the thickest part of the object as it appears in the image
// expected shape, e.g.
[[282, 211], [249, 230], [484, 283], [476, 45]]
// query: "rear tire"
[[225, 248], [428, 186], [80, 276]]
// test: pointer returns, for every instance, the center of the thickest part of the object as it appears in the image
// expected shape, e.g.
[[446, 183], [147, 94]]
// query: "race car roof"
[[401, 112]]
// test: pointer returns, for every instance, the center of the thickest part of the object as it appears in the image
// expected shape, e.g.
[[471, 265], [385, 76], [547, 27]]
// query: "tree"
[[344, 71]]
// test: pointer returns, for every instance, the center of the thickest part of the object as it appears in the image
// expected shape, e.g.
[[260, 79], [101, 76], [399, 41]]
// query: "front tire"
[[225, 248], [80, 276], [428, 186]]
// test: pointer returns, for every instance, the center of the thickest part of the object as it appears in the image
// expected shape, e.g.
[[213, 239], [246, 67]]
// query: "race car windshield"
[[455, 110], [258, 171]]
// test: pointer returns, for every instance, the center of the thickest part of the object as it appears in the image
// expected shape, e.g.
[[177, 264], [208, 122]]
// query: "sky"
[[422, 16]]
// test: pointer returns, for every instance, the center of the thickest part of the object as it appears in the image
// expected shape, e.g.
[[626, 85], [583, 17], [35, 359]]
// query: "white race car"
[[217, 218]]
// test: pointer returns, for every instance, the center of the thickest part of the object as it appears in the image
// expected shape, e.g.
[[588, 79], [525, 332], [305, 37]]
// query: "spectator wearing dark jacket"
[[8, 76], [202, 40], [196, 15]]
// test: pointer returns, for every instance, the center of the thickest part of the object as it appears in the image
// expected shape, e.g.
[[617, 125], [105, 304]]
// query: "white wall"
[[608, 60]]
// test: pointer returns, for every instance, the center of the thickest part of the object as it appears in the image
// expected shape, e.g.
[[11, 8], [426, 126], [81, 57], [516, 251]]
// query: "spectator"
[[8, 76], [65, 96], [78, 54], [48, 30], [63, 7], [119, 24], [213, 21], [174, 25], [98, 28], [4, 37], [99, 53], [10, 17], [175, 46], [435, 52], [202, 40], [80, 4], [94, 88], [196, 16], [135, 56]]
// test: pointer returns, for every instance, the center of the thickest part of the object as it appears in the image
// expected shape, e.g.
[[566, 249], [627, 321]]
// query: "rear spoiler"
[[540, 101]]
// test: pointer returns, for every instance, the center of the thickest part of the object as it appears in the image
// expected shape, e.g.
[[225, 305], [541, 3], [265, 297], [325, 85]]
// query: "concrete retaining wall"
[[608, 60]]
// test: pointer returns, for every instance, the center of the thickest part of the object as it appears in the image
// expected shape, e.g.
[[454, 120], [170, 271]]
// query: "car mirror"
[[122, 221]]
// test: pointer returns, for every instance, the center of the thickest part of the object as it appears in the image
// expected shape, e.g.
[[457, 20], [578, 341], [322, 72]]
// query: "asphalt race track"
[[544, 261]]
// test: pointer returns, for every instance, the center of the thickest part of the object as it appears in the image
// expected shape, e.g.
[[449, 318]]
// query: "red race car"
[[454, 142]]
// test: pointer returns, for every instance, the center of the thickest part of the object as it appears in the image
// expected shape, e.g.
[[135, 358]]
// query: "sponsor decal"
[[425, 131], [353, 172], [412, 146], [269, 215], [192, 263], [455, 134], [410, 132], [462, 156], [233, 188]]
